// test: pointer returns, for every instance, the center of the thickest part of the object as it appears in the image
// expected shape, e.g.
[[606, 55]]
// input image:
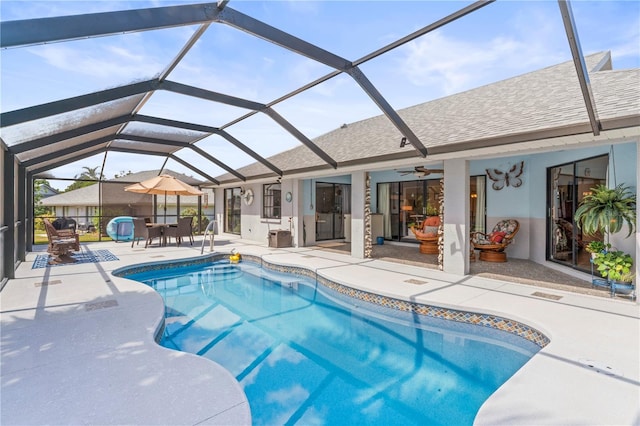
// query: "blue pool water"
[[306, 355]]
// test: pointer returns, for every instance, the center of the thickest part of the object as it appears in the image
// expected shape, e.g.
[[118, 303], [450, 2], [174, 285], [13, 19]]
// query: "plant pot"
[[599, 282], [622, 287]]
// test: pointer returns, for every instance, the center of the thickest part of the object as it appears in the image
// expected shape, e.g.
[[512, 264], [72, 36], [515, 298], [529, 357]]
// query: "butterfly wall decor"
[[510, 178]]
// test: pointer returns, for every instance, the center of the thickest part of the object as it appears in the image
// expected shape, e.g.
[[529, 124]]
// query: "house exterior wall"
[[509, 202], [256, 228], [526, 203]]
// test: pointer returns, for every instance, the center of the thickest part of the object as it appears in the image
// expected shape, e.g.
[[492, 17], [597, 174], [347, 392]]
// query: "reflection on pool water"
[[307, 355]]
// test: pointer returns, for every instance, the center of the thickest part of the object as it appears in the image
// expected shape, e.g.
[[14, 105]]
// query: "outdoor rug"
[[85, 256]]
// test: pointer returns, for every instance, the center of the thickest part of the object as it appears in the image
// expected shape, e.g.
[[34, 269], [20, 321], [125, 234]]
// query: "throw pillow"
[[432, 221], [497, 237]]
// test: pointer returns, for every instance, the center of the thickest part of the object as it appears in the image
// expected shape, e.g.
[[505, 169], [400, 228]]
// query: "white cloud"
[[627, 44], [450, 63], [110, 62], [453, 64]]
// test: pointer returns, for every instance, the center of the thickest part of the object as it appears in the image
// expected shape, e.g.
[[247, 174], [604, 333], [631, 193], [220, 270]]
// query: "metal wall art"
[[509, 178]]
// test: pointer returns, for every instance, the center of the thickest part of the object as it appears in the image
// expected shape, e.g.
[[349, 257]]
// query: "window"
[[271, 201]]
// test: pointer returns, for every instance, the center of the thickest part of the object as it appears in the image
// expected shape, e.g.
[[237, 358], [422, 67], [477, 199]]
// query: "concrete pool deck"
[[78, 343]]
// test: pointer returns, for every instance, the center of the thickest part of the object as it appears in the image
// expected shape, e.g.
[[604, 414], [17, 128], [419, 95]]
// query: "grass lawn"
[[41, 237]]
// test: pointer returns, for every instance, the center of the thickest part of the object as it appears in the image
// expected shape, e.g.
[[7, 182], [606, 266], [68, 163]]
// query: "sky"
[[501, 40]]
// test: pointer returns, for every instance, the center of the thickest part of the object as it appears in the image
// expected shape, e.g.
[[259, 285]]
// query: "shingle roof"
[[545, 99]]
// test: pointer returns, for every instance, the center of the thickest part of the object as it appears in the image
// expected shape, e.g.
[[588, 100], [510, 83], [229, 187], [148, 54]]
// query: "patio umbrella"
[[163, 184]]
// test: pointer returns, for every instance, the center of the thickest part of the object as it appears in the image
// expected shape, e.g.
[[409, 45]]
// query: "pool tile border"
[[485, 320]]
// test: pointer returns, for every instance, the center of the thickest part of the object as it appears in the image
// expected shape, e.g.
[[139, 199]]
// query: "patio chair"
[[142, 231], [183, 229], [492, 246], [427, 234], [61, 241]]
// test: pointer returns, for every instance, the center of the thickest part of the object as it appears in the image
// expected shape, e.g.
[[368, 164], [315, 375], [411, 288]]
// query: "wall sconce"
[[474, 195], [403, 142]]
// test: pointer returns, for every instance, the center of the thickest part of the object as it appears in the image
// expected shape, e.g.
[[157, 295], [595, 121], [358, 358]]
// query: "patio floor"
[[78, 343], [514, 270]]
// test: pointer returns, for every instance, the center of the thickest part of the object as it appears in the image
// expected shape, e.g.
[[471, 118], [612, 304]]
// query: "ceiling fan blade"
[[426, 171], [420, 171]]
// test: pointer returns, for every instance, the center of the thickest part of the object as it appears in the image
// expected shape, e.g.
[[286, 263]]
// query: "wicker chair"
[[183, 229], [427, 234], [61, 241], [143, 232], [492, 246]]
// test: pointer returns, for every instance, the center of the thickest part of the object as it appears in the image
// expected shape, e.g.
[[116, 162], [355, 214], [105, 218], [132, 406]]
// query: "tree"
[[90, 173], [190, 211], [38, 193], [84, 179], [122, 173]]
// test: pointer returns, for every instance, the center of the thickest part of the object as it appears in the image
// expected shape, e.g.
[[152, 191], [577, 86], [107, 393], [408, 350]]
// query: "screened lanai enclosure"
[[213, 91], [87, 206]]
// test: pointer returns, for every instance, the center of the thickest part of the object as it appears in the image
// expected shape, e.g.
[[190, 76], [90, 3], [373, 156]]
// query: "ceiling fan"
[[420, 171]]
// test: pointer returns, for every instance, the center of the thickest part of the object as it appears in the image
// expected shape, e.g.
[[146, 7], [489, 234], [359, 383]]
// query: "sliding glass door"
[[568, 184], [403, 204], [232, 214], [418, 199], [478, 203], [333, 209]]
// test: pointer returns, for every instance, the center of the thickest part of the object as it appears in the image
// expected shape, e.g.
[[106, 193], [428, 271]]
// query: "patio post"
[[296, 207], [22, 213], [456, 216], [29, 213], [637, 252], [9, 217], [357, 214]]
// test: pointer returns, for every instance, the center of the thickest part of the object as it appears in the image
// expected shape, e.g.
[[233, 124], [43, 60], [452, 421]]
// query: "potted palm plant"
[[606, 211]]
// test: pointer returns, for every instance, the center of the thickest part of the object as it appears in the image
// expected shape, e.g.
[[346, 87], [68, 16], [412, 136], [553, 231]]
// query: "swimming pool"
[[306, 354]]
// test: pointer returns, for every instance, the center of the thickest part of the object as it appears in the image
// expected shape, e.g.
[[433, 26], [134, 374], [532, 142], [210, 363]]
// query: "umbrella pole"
[[165, 207]]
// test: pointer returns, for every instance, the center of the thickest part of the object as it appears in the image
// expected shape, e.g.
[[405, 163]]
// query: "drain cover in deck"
[[417, 282], [547, 295]]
